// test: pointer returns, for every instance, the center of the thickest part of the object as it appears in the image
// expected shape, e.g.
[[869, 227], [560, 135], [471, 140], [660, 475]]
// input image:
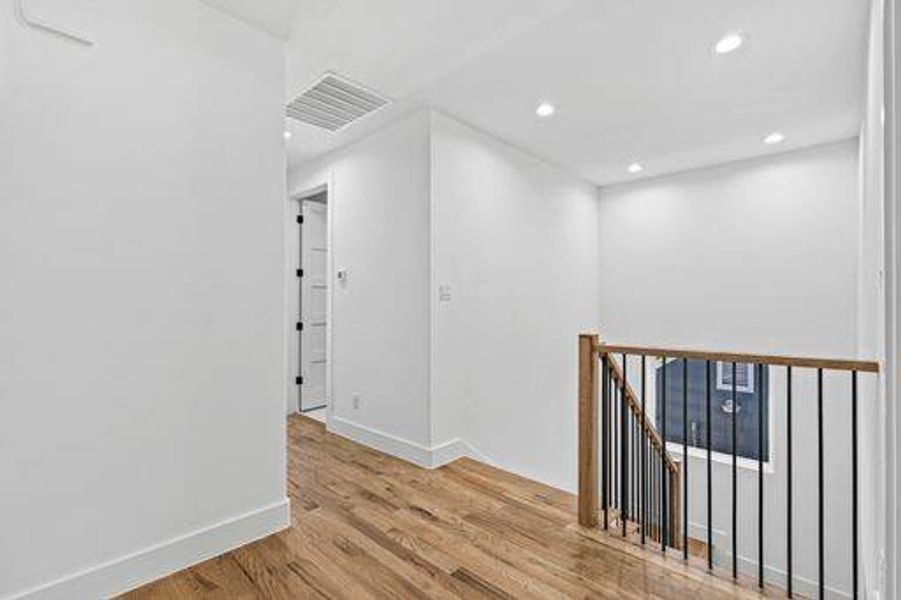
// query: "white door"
[[314, 255]]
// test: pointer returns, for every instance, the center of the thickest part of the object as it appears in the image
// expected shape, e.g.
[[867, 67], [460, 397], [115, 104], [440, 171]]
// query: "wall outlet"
[[355, 399]]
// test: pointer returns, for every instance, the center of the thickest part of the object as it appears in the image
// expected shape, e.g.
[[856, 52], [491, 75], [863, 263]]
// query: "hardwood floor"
[[366, 525]]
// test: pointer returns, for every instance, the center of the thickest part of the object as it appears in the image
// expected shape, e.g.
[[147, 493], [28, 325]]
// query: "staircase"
[[631, 484], [640, 480]]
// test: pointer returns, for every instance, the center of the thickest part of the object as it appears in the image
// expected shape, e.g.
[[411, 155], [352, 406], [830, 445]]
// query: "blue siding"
[[721, 427]]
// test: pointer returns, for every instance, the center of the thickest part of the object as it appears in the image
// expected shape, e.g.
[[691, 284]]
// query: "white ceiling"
[[273, 16], [632, 81], [397, 48]]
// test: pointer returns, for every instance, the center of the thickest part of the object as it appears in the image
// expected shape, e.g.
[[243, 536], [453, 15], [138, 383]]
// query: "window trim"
[[698, 453], [721, 377]]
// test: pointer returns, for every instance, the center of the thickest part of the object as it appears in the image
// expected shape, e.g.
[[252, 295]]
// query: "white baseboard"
[[448, 452], [379, 440], [149, 564], [418, 454], [776, 576]]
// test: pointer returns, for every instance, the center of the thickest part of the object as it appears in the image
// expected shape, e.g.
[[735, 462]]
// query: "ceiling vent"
[[334, 102]]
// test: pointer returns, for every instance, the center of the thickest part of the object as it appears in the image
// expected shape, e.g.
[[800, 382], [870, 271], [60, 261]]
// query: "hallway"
[[366, 525]]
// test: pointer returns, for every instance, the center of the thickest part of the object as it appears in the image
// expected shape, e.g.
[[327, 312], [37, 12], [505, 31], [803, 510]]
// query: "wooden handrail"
[[635, 406], [865, 366]]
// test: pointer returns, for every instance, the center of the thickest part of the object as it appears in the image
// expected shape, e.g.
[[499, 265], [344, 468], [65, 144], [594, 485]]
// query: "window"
[[744, 377], [750, 401]]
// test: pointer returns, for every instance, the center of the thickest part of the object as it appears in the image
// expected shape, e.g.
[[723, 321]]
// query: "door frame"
[[293, 208]]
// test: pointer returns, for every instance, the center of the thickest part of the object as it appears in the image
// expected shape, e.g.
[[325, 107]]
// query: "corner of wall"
[[433, 284], [427, 457]]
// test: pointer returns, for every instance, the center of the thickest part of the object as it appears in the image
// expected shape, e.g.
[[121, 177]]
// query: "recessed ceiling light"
[[774, 138], [545, 109], [635, 168], [729, 43], [287, 135]]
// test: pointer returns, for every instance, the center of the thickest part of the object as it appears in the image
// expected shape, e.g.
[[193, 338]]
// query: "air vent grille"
[[334, 102]]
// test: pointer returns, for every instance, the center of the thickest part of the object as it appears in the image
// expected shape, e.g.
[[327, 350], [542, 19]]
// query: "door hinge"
[[300, 272], [299, 326], [298, 380], [300, 219]]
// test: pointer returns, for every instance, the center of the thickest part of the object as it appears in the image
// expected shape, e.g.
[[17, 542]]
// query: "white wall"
[[871, 309], [755, 256], [429, 201], [515, 239], [141, 185], [379, 211], [775, 236], [893, 296]]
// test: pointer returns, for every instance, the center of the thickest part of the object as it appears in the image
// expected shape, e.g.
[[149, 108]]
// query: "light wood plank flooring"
[[366, 525]]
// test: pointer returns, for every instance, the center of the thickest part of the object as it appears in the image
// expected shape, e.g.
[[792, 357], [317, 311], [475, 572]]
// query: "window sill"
[[747, 464]]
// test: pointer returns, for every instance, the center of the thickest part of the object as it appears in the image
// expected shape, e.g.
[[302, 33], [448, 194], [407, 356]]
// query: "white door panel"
[[314, 294]]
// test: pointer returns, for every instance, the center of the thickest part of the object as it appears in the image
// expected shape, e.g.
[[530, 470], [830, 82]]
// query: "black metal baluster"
[[636, 472], [645, 483], [854, 483], [652, 472], [635, 453], [636, 459], [632, 458], [658, 490], [788, 531], [709, 474], [644, 450], [734, 477], [674, 533], [663, 495], [629, 471], [633, 464], [614, 465], [607, 438], [685, 458], [613, 439], [660, 501], [759, 374], [624, 457], [605, 449], [652, 494], [654, 501], [822, 586]]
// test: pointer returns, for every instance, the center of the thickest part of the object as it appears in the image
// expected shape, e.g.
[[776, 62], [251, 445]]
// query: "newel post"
[[588, 430]]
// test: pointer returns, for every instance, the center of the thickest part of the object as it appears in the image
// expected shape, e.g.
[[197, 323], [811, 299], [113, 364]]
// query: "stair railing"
[[627, 474]]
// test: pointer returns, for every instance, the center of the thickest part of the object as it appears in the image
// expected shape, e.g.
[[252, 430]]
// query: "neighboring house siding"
[[750, 404]]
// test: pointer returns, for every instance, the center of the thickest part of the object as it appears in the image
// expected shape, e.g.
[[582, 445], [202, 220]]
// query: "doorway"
[[312, 321]]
